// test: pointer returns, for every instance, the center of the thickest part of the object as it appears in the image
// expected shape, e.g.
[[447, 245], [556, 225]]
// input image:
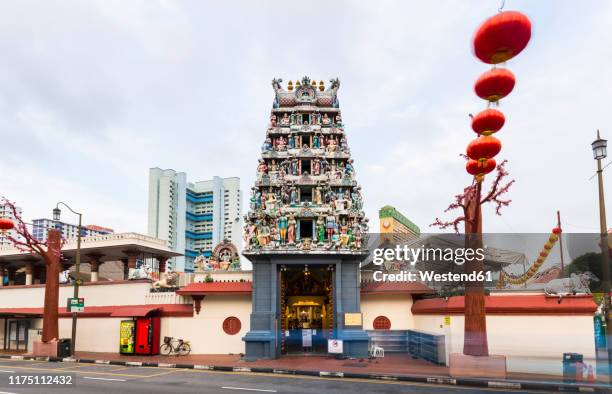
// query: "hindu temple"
[[305, 230]]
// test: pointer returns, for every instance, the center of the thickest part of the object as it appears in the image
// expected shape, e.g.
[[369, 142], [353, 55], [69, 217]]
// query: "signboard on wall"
[[334, 346], [306, 337], [352, 319], [76, 305]]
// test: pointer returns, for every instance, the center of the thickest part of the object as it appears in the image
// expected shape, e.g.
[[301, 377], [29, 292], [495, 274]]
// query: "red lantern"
[[483, 147], [6, 224], [502, 37], [488, 121], [556, 230], [476, 168], [495, 84]]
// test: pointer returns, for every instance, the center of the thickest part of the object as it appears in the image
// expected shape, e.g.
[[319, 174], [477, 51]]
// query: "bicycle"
[[182, 348]]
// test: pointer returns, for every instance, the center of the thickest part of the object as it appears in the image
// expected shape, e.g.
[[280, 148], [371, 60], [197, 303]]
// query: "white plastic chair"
[[377, 351]]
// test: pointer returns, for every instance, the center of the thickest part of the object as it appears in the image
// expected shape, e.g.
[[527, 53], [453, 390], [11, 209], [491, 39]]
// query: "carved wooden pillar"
[[162, 264], [94, 264], [29, 271], [42, 274], [11, 275], [128, 263], [36, 273], [125, 268]]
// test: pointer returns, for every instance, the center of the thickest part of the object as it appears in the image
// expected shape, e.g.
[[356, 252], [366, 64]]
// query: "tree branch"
[[493, 196], [25, 241]]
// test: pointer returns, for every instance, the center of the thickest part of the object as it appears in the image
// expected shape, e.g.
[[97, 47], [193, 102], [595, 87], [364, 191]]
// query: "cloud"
[[92, 94]]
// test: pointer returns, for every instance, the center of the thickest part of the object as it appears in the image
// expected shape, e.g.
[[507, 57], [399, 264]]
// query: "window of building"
[[232, 325], [382, 323]]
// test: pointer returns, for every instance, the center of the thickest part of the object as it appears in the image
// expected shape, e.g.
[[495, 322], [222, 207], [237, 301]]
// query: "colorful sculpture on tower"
[[305, 196]]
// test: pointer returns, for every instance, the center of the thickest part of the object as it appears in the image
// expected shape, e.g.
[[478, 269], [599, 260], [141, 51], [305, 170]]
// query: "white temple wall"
[[94, 334], [205, 330], [396, 307], [531, 343], [105, 293]]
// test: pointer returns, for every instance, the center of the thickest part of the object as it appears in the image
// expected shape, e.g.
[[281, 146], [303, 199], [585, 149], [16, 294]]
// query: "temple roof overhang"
[[506, 304], [110, 247]]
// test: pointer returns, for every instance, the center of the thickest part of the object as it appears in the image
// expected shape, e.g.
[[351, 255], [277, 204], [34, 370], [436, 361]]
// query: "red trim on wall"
[[164, 310], [511, 305], [212, 288]]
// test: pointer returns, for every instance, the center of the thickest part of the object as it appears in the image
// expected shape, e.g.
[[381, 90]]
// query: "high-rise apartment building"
[[68, 230], [6, 212], [193, 217]]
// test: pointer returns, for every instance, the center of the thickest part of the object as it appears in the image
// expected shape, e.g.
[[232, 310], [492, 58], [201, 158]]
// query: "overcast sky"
[[94, 93]]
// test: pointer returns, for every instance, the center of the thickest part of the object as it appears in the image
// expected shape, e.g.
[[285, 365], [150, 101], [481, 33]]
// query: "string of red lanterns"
[[497, 40]]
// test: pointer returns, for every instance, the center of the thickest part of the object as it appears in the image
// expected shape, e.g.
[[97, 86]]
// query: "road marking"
[[109, 379], [7, 371], [354, 380], [247, 389], [6, 392]]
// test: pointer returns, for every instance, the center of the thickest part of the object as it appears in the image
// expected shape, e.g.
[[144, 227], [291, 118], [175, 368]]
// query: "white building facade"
[[6, 212], [193, 217]]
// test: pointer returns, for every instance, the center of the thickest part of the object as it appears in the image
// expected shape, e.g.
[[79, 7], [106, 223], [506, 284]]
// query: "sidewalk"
[[392, 367], [390, 364]]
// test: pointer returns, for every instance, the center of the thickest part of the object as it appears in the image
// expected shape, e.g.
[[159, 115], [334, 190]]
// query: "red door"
[[147, 335], [143, 335]]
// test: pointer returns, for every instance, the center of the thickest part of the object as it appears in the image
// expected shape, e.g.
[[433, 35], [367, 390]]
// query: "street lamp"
[[599, 152], [56, 217]]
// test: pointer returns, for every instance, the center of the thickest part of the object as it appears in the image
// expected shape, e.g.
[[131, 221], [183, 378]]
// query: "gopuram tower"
[[305, 230]]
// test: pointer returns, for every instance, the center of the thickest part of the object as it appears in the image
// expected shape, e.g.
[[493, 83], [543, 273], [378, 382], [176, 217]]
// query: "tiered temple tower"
[[305, 230], [306, 197]]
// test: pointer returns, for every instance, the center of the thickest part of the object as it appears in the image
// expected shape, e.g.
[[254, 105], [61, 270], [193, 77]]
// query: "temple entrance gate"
[[306, 308]]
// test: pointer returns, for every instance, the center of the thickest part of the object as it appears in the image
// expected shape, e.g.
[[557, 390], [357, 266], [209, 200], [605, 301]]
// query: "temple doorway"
[[307, 308]]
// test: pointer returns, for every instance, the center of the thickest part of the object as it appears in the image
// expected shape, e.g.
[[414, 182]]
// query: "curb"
[[436, 380]]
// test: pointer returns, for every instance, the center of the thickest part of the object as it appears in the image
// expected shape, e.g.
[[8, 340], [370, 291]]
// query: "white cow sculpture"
[[576, 283], [144, 272]]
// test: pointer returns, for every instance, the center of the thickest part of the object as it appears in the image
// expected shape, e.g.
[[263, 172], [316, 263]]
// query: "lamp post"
[[56, 217], [599, 152]]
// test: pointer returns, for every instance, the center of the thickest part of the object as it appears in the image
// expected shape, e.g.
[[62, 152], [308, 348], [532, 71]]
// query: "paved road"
[[93, 378]]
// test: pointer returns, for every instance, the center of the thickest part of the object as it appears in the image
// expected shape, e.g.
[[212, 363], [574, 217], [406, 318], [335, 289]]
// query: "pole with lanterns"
[[599, 153], [497, 40]]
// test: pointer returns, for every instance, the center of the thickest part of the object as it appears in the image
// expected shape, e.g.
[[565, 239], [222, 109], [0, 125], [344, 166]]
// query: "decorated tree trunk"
[[50, 251], [475, 327], [52, 263], [470, 202]]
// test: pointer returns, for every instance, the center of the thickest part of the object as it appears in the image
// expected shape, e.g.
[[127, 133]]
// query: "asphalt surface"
[[102, 378]]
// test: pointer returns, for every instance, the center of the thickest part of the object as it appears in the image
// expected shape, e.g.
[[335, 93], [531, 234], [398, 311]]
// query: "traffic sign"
[[76, 305]]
